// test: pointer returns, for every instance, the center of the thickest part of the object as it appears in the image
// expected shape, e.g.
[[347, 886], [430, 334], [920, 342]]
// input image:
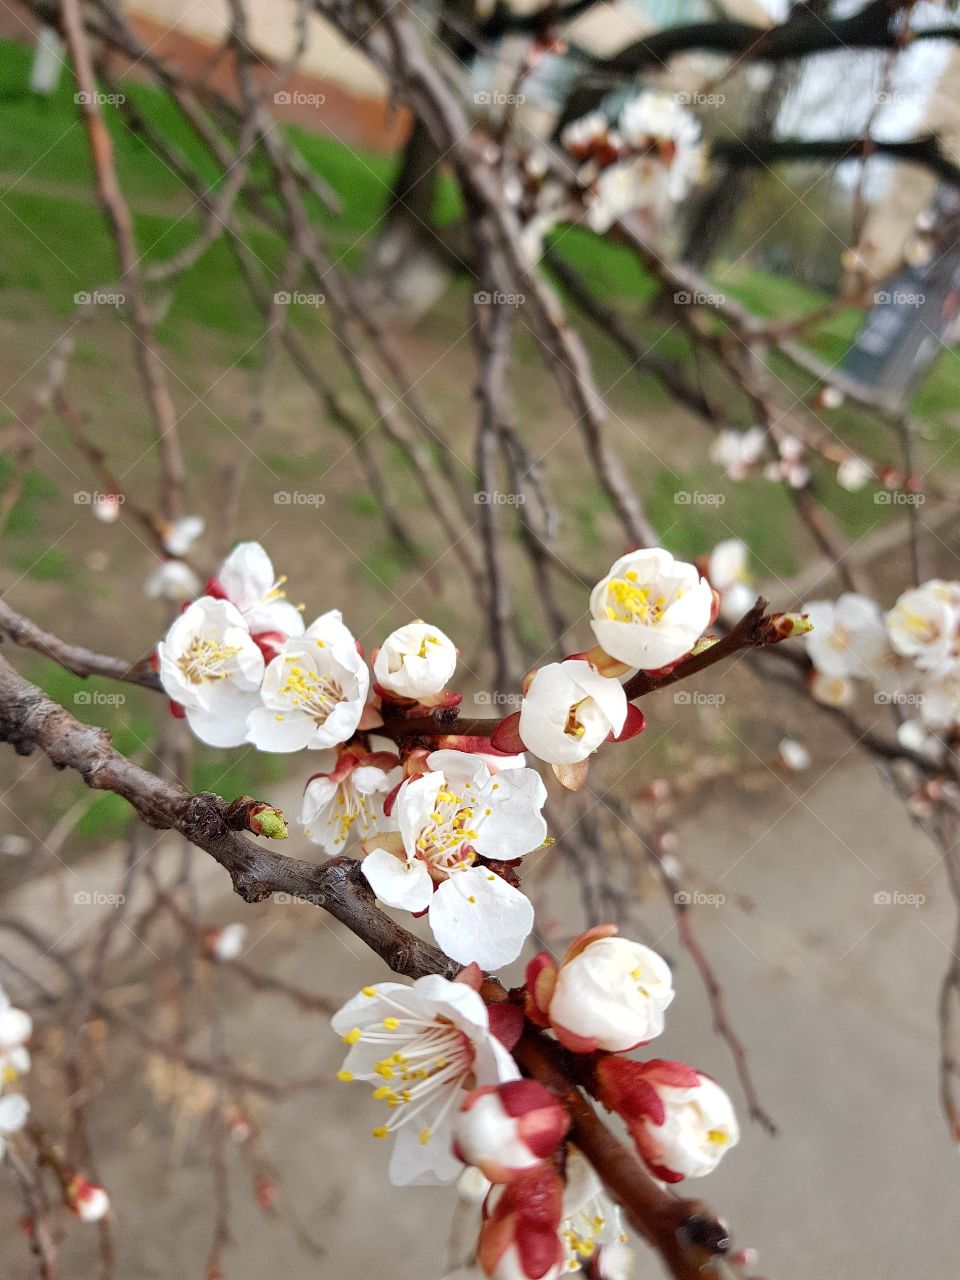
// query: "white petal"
[[397, 883], [224, 725], [274, 731], [477, 916], [14, 1109]]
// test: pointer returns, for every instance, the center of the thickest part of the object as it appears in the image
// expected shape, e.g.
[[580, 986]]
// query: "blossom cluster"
[[910, 655], [441, 831], [645, 160], [441, 1061]]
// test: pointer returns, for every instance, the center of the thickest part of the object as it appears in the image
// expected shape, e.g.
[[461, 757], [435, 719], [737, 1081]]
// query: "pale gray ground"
[[834, 994]]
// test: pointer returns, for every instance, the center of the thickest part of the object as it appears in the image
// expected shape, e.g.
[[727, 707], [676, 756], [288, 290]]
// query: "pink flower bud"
[[506, 1129], [519, 1238], [88, 1201], [681, 1121]]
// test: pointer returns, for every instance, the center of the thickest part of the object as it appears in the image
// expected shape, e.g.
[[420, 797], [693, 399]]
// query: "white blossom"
[[172, 580], [445, 820], [210, 666], [923, 623], [415, 661], [422, 1047], [247, 580], [650, 609], [854, 473], [346, 797], [314, 691], [569, 708], [180, 535], [848, 637], [699, 1127], [14, 1110], [738, 452], [591, 1222]]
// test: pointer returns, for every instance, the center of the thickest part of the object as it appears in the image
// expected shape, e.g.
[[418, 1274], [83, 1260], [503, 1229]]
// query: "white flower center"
[[314, 694], [206, 659], [425, 1067], [350, 805], [445, 839], [627, 601]]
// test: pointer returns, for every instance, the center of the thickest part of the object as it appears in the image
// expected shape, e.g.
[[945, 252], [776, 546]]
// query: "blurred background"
[[322, 355]]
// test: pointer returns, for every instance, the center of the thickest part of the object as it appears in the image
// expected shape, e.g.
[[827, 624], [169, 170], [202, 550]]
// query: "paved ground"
[[833, 992]]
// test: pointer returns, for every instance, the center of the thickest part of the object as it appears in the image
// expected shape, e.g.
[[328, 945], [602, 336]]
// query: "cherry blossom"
[[180, 535], [16, 1028], [608, 992], [445, 820], [422, 1047], [416, 662], [519, 1239], [508, 1128], [848, 637], [210, 666], [591, 1224], [568, 709], [314, 691], [346, 797], [682, 1121], [172, 580], [650, 609], [739, 452], [793, 755], [729, 574], [246, 578], [86, 1200], [923, 624], [854, 473]]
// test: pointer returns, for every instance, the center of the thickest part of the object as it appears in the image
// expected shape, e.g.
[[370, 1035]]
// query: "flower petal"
[[406, 885], [477, 916]]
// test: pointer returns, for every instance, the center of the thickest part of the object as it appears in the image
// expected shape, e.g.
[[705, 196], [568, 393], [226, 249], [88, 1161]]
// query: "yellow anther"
[[352, 1036], [424, 1137], [344, 1075], [381, 1131], [391, 1024], [369, 991]]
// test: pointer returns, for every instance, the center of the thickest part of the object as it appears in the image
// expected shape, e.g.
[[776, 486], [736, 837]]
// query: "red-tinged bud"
[[506, 1023], [266, 1192], [519, 1238], [215, 588], [635, 723], [609, 993], [88, 1201], [505, 1130], [681, 1121], [177, 710], [715, 607]]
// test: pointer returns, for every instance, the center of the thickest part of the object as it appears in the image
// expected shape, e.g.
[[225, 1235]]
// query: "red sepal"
[[635, 723], [506, 736], [506, 1023]]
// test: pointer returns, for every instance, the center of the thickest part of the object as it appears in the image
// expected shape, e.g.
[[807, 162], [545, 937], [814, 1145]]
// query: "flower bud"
[[88, 1201], [609, 993], [415, 662], [681, 1121], [507, 1129], [519, 1238]]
